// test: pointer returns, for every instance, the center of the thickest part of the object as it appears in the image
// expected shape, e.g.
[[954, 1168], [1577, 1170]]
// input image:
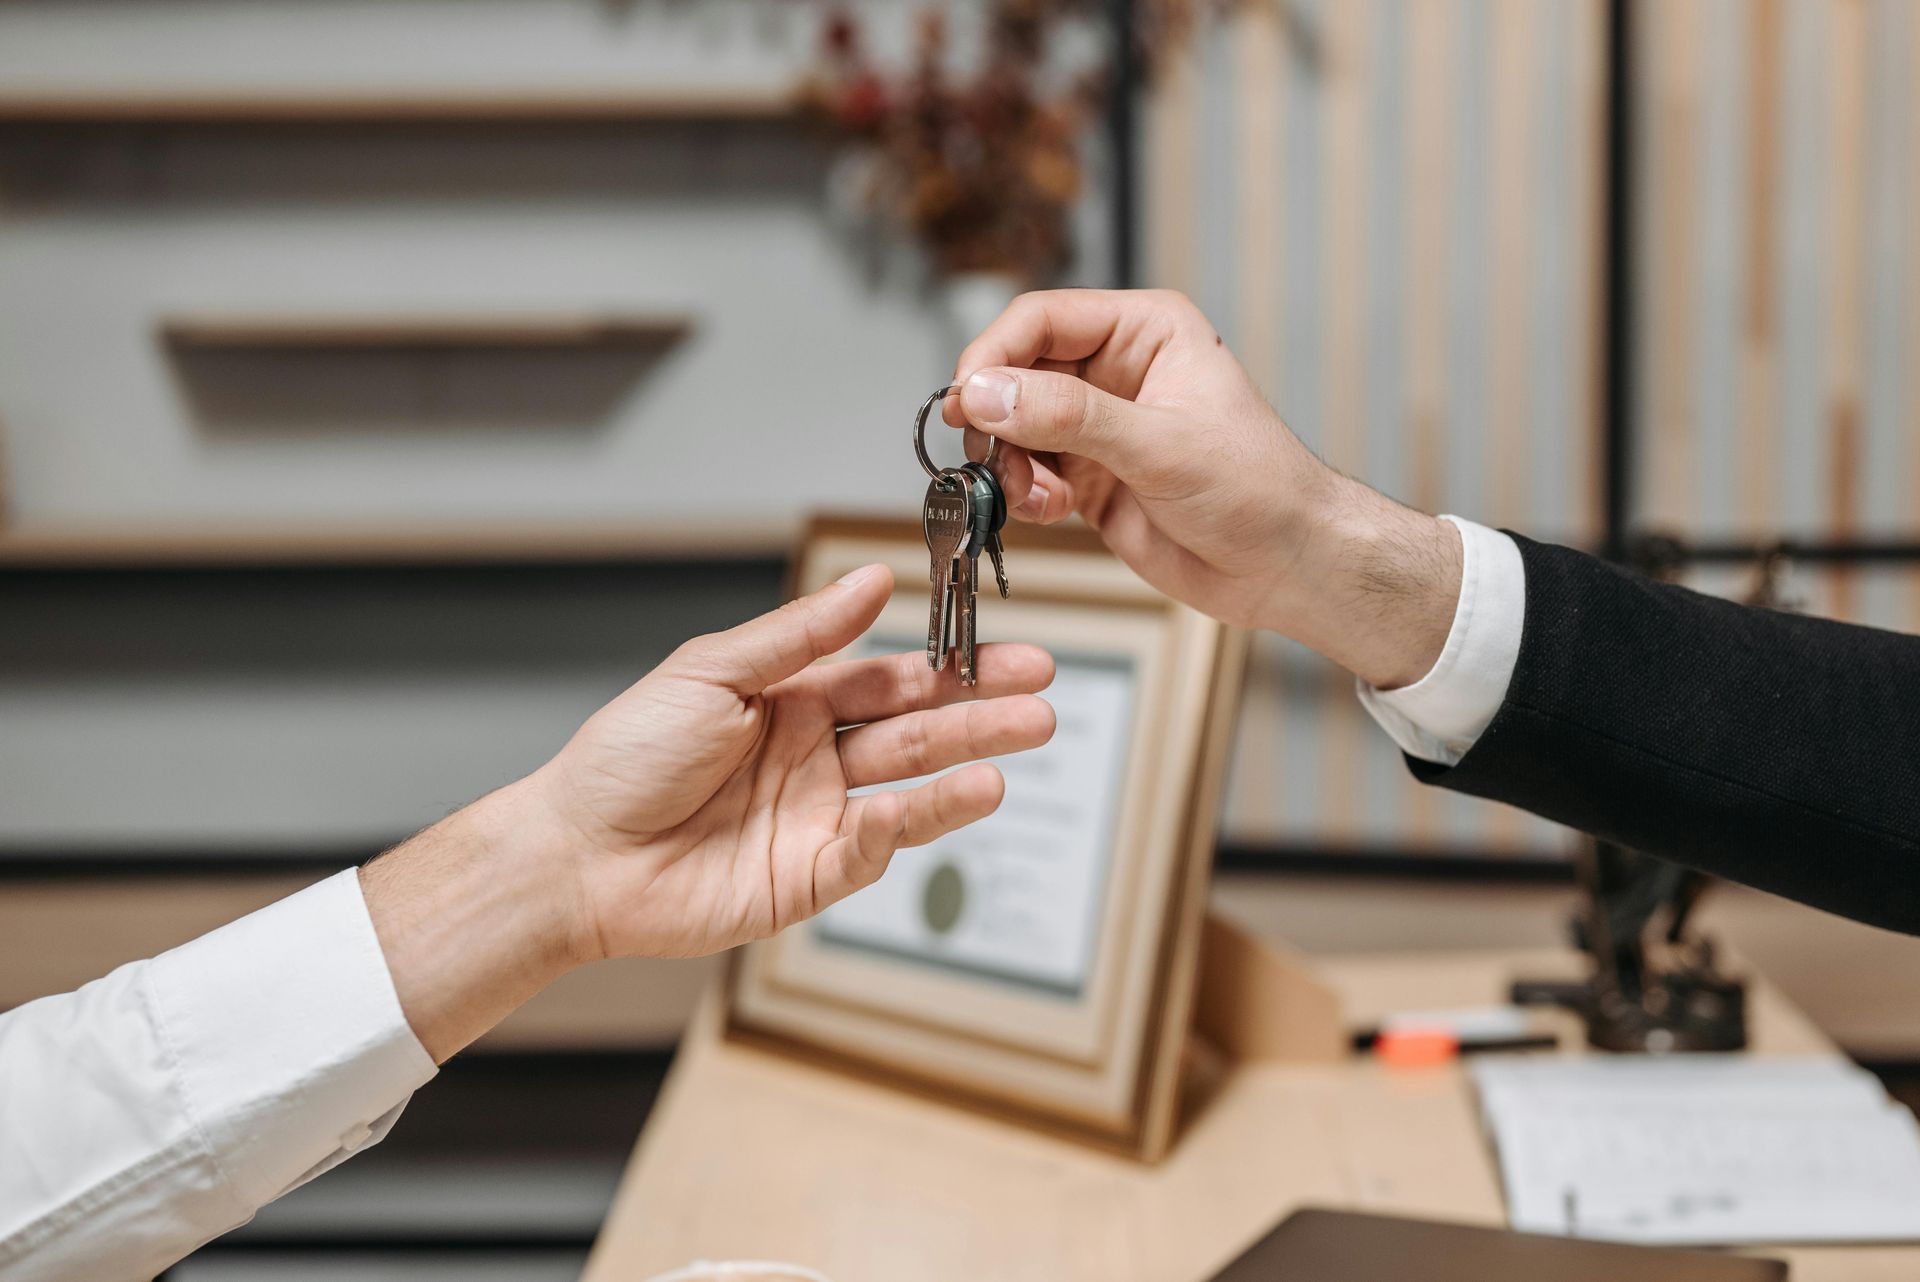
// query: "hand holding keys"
[[962, 515]]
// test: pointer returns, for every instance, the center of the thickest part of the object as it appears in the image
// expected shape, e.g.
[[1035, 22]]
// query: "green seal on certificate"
[[944, 897]]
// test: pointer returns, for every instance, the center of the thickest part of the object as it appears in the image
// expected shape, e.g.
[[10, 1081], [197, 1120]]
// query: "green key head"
[[984, 479]]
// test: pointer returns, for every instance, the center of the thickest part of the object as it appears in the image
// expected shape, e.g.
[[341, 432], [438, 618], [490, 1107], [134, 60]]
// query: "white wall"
[[794, 391], [228, 712]]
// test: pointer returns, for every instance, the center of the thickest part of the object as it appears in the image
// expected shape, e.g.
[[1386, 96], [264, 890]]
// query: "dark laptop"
[[1340, 1246]]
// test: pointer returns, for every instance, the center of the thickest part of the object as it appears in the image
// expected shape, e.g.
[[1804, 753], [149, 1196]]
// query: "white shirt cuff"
[[1439, 717], [293, 1051]]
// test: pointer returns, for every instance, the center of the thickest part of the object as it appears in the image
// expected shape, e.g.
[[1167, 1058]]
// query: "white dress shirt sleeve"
[[1439, 717], [160, 1106]]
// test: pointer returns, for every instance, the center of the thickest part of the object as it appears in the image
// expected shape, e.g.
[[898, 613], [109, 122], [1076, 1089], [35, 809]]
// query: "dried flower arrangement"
[[981, 169]]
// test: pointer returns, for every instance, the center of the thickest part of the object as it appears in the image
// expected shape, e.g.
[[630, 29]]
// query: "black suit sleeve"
[[1767, 748]]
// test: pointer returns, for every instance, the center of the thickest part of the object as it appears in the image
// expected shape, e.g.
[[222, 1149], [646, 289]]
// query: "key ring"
[[920, 436]]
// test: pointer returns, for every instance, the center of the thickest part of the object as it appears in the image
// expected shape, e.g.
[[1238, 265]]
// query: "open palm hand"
[[711, 800]]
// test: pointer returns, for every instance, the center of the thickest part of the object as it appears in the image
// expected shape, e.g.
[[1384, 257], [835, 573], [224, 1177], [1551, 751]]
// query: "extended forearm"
[[473, 916]]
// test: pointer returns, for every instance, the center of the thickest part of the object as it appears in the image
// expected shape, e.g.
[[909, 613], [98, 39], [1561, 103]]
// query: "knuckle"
[[1183, 310], [940, 805], [1096, 415], [806, 617], [693, 656], [917, 747], [1037, 300], [977, 739], [909, 681], [897, 819], [1172, 300], [1018, 312], [1062, 401]]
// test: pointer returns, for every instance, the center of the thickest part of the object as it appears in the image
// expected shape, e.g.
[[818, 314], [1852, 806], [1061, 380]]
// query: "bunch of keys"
[[964, 511]]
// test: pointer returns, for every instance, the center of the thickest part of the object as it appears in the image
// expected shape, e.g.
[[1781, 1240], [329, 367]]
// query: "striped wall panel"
[[1392, 210], [1779, 291]]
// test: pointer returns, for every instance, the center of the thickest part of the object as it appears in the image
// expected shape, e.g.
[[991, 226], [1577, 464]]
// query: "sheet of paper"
[[1018, 896], [1702, 1149]]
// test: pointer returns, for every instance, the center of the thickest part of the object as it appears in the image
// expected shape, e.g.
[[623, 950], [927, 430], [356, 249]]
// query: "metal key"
[[988, 509], [987, 535], [966, 596], [946, 518]]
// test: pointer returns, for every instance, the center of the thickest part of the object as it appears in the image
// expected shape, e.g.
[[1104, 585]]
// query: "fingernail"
[[858, 576], [1036, 501], [989, 396]]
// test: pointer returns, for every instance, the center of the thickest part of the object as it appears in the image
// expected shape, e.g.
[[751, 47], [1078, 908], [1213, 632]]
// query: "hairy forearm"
[[1373, 586], [474, 917]]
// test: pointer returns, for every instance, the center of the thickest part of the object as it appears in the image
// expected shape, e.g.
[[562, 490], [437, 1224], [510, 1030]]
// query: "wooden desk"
[[749, 1155]]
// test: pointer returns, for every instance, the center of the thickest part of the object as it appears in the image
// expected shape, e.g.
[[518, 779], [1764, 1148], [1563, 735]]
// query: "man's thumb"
[[767, 650], [1045, 410]]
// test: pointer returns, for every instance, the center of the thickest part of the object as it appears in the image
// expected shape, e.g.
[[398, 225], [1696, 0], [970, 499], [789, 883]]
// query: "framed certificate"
[[1040, 962]]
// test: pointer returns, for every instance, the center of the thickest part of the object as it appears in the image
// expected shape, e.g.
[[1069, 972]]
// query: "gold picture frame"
[[1055, 987]]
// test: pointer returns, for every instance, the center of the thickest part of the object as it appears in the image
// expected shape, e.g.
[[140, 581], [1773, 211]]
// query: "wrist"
[[1374, 586], [475, 915]]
